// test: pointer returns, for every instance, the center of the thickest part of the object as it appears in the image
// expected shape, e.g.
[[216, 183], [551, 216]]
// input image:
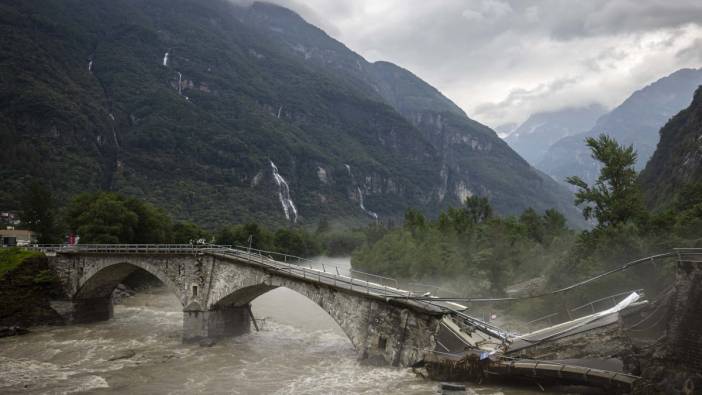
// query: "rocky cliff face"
[[636, 121], [223, 113], [473, 159], [678, 158]]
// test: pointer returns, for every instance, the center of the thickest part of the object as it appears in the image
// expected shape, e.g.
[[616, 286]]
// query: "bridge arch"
[[216, 290], [334, 304], [99, 280]]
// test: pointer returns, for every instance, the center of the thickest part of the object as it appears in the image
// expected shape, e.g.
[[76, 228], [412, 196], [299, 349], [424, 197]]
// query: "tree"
[[185, 232], [534, 225], [106, 217], [154, 226], [239, 236], [323, 226], [615, 197], [554, 223], [414, 221], [288, 241], [478, 209], [38, 213]]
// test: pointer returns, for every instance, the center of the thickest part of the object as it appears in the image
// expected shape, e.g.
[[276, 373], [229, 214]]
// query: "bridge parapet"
[[216, 285]]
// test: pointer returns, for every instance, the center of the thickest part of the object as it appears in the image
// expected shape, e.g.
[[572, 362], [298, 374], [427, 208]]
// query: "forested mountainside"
[[533, 138], [677, 161], [223, 113], [636, 121]]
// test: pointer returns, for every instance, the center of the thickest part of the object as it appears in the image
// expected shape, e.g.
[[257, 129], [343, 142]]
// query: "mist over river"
[[299, 350]]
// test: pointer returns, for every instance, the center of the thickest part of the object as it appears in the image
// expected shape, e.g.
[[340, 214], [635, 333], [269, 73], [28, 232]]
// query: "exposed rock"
[[6, 331], [124, 354], [322, 175], [120, 293], [207, 342], [673, 365]]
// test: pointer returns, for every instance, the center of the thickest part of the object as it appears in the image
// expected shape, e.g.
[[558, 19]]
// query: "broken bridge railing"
[[573, 313], [342, 277]]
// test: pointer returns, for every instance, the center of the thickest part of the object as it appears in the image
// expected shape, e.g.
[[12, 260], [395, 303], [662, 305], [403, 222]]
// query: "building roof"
[[21, 234]]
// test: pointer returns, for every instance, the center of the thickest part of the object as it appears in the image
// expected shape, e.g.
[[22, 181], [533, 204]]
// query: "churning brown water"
[[300, 350]]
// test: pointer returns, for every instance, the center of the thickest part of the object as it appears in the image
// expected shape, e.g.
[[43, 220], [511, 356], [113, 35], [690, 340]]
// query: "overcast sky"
[[503, 60]]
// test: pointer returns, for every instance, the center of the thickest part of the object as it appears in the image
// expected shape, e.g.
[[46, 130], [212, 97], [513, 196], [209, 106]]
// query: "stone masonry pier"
[[216, 286]]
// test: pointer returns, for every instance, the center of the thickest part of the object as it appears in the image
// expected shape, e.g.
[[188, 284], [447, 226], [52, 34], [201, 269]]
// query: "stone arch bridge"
[[216, 285]]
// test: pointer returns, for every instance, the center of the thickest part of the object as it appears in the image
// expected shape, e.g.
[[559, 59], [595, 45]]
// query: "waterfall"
[[165, 59], [363, 207], [90, 65], [180, 83], [279, 110], [360, 194], [284, 195], [114, 136]]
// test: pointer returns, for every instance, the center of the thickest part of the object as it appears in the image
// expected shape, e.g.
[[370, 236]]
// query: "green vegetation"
[[39, 213], [468, 248], [615, 198], [248, 96], [105, 217], [471, 252], [11, 258], [294, 241], [27, 284], [110, 218]]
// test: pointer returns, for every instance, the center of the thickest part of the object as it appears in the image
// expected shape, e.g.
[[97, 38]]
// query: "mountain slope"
[[636, 121], [473, 159], [222, 113], [677, 160], [532, 138]]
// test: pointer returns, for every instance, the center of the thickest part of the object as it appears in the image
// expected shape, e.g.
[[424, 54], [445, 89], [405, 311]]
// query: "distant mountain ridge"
[[636, 121], [223, 113], [533, 138]]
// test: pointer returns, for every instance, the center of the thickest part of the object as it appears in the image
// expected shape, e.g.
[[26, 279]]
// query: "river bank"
[[27, 284]]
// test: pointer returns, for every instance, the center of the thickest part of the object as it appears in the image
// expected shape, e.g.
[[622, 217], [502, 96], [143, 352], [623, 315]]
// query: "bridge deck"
[[463, 368], [383, 288]]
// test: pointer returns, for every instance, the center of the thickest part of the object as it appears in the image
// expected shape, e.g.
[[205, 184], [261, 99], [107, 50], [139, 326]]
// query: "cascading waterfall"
[[180, 83], [360, 194], [363, 207], [90, 65], [114, 136], [165, 59], [284, 195], [114, 130]]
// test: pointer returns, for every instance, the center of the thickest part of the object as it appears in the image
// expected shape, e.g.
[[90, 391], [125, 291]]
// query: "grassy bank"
[[11, 258], [27, 284]]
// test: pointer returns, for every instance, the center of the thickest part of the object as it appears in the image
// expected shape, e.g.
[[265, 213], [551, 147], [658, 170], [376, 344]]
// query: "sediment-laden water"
[[299, 350]]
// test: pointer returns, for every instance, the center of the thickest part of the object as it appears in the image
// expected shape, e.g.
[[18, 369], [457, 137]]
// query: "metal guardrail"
[[293, 265], [570, 312], [547, 318], [331, 275], [120, 248], [433, 288], [610, 298], [689, 255]]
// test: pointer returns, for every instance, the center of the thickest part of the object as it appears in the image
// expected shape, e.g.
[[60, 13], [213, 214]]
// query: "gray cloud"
[[518, 96], [693, 53], [501, 60]]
